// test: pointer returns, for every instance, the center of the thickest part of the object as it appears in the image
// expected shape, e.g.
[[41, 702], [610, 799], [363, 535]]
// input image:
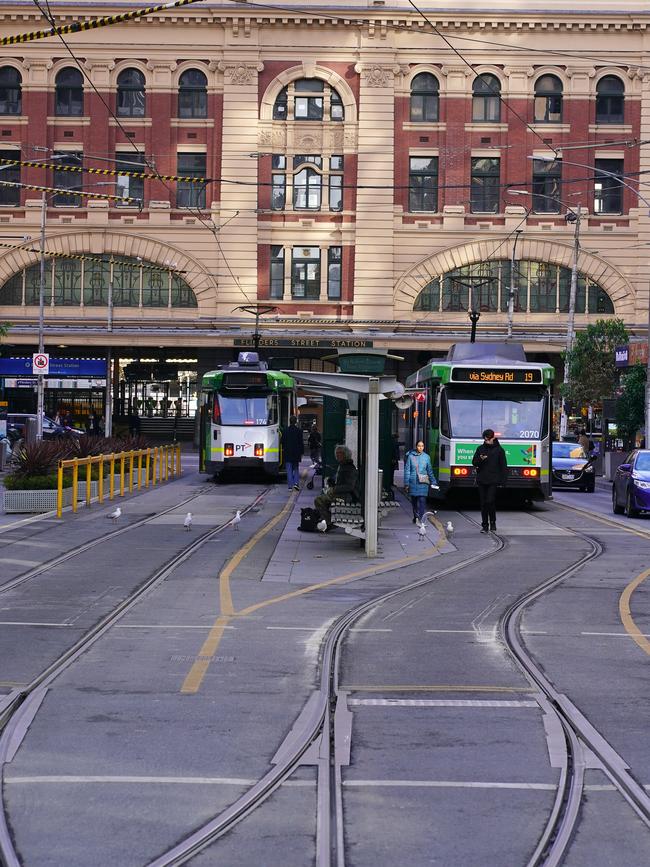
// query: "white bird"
[[115, 515], [322, 525], [449, 529], [236, 520], [187, 523], [422, 531]]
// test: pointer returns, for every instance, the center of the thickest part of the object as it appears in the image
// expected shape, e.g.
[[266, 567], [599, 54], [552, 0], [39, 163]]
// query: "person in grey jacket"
[[418, 478], [491, 472]]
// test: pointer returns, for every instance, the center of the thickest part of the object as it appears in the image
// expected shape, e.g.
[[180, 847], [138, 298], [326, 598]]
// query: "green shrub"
[[34, 483]]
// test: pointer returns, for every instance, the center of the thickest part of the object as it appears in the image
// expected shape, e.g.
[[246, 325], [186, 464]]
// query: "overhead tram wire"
[[405, 28], [196, 212]]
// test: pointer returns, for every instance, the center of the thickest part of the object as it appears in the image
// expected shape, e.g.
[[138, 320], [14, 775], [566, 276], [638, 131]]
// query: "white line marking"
[[206, 627], [449, 784], [613, 634], [454, 631], [185, 781], [15, 562], [29, 623], [296, 628], [434, 702]]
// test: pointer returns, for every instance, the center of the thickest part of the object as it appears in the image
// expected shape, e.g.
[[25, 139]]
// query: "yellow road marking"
[[626, 615], [194, 678]]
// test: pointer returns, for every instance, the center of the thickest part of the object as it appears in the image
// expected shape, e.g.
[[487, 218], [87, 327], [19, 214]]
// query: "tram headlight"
[[228, 450], [259, 450]]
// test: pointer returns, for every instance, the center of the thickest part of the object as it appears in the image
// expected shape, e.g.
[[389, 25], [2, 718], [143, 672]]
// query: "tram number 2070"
[[529, 434]]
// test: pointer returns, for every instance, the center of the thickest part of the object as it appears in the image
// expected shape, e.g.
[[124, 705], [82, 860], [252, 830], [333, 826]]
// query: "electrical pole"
[[571, 216], [40, 381], [647, 383], [511, 295], [108, 402]]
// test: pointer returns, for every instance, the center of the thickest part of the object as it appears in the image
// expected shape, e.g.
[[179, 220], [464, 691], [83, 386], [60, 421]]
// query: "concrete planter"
[[45, 501]]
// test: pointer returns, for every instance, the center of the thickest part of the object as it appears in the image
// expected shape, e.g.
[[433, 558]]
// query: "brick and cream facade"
[[311, 205]]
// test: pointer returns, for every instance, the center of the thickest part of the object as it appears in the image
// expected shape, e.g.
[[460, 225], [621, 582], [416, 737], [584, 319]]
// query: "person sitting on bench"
[[344, 485]]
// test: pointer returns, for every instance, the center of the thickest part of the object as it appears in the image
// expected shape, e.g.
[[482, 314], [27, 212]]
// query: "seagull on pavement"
[[187, 523], [115, 515], [449, 529], [322, 525], [235, 521], [422, 530]]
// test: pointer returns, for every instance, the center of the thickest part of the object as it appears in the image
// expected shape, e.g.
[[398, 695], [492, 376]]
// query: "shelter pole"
[[372, 492]]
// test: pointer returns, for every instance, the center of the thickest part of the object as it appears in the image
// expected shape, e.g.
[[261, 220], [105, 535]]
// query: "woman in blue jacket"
[[418, 476]]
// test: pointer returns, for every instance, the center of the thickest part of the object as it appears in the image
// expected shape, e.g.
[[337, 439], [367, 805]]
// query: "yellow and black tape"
[[35, 164], [51, 254], [79, 26], [63, 191]]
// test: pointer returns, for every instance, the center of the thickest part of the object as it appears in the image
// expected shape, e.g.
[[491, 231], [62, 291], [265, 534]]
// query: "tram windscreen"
[[513, 413], [250, 410]]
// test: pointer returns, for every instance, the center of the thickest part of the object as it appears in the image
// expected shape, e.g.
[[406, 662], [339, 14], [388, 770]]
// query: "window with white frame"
[[308, 99], [307, 177]]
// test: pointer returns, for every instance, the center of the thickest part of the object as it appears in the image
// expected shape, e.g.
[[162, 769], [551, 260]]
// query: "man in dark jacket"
[[491, 471], [292, 449], [344, 485]]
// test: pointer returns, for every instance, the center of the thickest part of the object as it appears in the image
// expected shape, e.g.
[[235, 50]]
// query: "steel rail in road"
[[315, 726], [19, 708], [106, 537], [579, 733]]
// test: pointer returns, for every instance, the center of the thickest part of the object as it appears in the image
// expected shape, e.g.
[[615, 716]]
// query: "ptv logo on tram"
[[240, 447]]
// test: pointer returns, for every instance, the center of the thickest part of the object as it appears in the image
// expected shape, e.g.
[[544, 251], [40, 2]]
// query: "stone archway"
[[411, 283]]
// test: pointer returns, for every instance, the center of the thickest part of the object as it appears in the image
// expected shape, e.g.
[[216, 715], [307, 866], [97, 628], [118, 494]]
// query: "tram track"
[[18, 708]]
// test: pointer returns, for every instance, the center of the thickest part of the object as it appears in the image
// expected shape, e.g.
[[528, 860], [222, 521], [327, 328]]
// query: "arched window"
[[610, 93], [69, 93], [193, 94], [71, 282], [539, 287], [130, 93], [310, 99], [486, 99], [548, 99], [10, 91], [424, 98]]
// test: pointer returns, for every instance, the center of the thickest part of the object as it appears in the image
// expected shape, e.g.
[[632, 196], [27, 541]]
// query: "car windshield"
[[643, 462], [568, 450], [253, 411], [513, 413]]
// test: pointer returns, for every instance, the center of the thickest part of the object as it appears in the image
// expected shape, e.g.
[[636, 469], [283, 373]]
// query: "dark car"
[[16, 422], [631, 485], [572, 468]]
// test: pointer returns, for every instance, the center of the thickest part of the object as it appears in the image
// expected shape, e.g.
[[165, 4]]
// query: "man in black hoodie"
[[491, 471]]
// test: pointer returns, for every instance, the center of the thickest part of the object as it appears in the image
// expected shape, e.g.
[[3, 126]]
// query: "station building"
[[372, 173]]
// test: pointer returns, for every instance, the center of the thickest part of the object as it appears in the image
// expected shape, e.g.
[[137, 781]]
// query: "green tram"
[[244, 408], [479, 386]]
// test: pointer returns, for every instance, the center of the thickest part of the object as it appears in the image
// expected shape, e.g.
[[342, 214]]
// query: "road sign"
[[41, 363], [421, 396]]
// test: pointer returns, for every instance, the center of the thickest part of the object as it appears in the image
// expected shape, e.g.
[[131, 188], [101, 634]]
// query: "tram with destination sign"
[[479, 386], [244, 408]]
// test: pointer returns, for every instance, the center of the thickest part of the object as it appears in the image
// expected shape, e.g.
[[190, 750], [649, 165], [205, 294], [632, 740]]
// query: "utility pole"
[[40, 381], [647, 383], [108, 402], [571, 217], [511, 295]]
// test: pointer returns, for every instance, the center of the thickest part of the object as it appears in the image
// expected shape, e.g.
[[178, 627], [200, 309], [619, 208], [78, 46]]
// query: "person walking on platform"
[[292, 449], [418, 476], [314, 443], [492, 472]]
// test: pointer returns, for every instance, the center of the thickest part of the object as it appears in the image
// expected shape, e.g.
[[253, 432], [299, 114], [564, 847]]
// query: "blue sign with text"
[[77, 368]]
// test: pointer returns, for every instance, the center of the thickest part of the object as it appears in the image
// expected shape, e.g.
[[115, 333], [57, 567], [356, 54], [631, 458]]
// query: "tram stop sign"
[[41, 363]]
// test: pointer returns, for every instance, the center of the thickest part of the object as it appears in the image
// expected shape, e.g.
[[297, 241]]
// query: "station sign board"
[[59, 367], [305, 342]]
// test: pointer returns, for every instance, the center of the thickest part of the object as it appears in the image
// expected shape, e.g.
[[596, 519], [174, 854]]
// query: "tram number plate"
[[568, 477]]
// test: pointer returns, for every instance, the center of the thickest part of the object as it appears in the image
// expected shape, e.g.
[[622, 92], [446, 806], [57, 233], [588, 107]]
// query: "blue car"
[[571, 467], [631, 485]]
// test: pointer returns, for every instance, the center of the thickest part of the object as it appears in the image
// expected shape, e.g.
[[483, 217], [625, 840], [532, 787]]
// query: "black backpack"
[[308, 520]]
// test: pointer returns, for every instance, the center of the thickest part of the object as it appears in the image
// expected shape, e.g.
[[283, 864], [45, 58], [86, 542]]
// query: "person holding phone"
[[491, 472]]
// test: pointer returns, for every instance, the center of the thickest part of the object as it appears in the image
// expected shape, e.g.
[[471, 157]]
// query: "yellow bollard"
[[75, 482], [155, 460], [59, 491], [88, 473], [160, 460], [130, 472], [178, 461], [147, 467], [121, 474], [111, 481], [139, 469], [166, 453], [100, 490]]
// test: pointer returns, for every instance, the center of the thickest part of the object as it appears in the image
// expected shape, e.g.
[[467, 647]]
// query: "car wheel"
[[630, 511], [618, 510]]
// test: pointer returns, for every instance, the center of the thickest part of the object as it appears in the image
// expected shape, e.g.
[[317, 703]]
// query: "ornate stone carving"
[[241, 74], [376, 75]]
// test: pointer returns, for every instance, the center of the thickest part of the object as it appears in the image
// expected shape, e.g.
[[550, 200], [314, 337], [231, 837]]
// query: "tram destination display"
[[497, 375]]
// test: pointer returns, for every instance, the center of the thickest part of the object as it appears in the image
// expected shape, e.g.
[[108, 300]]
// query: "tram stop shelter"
[[368, 390]]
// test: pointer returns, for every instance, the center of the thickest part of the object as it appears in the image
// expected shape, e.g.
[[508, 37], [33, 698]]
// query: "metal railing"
[[133, 468]]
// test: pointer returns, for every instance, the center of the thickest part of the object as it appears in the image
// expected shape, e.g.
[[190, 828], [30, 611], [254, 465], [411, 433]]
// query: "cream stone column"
[[374, 254], [643, 282], [238, 237]]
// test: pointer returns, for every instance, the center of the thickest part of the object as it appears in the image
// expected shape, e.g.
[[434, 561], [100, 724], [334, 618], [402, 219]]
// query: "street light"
[[645, 201], [574, 217]]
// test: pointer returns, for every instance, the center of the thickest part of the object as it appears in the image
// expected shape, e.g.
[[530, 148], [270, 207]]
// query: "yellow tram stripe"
[[626, 615]]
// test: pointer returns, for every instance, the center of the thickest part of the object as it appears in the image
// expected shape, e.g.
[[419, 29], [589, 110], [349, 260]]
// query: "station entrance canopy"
[[370, 390]]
